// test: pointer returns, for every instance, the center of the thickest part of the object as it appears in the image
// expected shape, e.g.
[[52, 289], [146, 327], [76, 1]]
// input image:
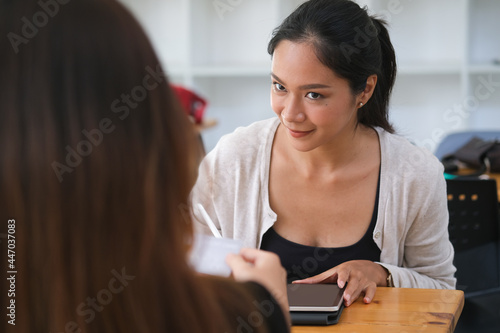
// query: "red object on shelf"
[[192, 103]]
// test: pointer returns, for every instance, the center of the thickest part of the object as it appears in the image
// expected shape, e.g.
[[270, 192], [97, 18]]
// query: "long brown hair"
[[97, 162]]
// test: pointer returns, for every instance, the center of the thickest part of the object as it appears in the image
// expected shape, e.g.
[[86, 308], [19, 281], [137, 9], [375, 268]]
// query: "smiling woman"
[[326, 184]]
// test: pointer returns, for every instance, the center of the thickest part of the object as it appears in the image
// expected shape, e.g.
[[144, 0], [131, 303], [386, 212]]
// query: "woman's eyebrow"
[[306, 86]]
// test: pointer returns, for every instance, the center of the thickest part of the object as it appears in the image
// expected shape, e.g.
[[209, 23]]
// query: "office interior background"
[[448, 54]]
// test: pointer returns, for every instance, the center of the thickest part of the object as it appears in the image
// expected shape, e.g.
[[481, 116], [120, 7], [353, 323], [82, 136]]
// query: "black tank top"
[[302, 261]]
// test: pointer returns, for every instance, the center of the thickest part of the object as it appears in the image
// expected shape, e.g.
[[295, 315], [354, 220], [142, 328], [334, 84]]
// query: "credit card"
[[208, 255]]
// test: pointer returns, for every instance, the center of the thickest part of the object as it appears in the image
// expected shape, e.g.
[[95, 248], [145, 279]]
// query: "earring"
[[360, 104]]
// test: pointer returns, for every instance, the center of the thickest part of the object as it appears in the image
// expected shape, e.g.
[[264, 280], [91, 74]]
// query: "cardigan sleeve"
[[232, 184], [202, 193], [427, 253]]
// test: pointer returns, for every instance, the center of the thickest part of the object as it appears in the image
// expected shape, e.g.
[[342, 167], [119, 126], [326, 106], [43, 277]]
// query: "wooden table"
[[399, 310]]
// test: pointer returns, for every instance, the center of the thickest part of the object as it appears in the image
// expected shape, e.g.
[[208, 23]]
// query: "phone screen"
[[314, 297]]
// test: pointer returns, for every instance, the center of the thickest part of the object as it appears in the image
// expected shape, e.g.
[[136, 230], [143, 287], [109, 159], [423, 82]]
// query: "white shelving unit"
[[447, 79], [446, 51]]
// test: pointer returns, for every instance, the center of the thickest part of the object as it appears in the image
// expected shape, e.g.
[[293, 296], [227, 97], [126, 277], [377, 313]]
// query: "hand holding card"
[[208, 255]]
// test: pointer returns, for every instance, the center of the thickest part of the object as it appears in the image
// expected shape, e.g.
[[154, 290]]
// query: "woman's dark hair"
[[97, 160], [352, 44]]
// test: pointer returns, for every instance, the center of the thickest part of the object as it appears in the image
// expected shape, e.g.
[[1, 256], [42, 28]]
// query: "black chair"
[[475, 234]]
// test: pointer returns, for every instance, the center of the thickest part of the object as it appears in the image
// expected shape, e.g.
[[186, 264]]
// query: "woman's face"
[[315, 106]]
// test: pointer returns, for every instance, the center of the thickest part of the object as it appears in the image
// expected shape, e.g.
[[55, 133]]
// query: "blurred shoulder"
[[246, 142], [254, 134]]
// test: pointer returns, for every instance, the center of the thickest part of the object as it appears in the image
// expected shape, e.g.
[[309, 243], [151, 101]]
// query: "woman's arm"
[[426, 253]]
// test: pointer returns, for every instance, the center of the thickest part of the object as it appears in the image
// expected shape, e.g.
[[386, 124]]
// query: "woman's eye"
[[279, 87], [313, 95]]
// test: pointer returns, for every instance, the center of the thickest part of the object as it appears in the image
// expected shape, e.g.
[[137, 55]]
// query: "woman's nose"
[[293, 112]]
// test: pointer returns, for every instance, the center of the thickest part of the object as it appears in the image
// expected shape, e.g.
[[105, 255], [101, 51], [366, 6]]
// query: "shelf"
[[217, 71], [237, 33], [425, 31], [484, 69], [448, 68], [231, 71], [167, 25], [175, 70]]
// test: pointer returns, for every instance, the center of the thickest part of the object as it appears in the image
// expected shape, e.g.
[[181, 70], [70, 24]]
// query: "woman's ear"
[[371, 83]]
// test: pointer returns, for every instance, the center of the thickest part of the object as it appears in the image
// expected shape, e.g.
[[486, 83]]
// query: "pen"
[[209, 221]]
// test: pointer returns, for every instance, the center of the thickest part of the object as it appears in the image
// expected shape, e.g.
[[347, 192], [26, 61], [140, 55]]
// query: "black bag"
[[479, 155]]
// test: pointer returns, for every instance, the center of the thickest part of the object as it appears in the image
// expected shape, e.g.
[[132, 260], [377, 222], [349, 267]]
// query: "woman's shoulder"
[[254, 134], [246, 141], [402, 155]]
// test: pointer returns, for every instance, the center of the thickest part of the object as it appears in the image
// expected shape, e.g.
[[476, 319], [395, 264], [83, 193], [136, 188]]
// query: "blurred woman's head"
[[97, 163]]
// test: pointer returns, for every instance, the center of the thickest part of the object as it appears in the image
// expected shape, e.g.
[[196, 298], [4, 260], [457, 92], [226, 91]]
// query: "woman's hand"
[[264, 268], [361, 276]]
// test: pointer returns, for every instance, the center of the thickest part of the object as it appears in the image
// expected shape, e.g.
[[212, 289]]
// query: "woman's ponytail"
[[376, 111]]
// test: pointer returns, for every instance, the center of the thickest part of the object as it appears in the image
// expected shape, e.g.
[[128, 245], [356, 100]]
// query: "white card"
[[208, 255]]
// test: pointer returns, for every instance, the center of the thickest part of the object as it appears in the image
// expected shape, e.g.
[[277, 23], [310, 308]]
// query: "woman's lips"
[[298, 134]]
